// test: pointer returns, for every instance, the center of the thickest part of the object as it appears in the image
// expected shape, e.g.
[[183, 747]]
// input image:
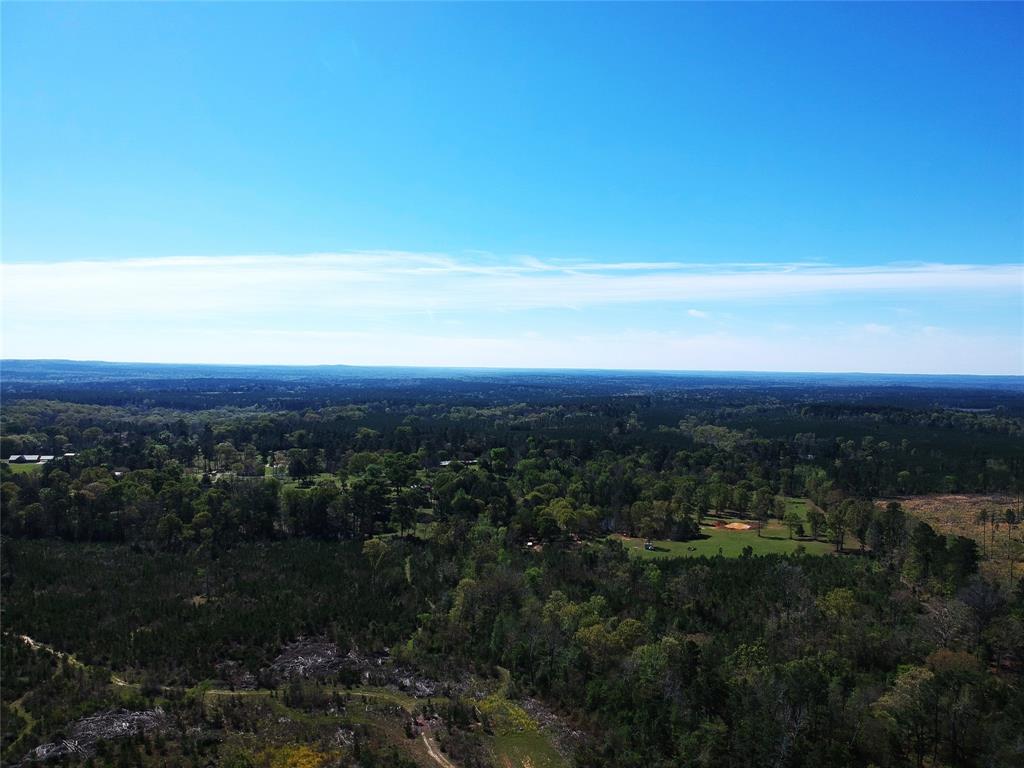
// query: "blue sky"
[[746, 187]]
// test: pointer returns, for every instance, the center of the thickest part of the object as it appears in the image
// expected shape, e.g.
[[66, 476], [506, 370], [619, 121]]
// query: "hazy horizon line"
[[532, 369]]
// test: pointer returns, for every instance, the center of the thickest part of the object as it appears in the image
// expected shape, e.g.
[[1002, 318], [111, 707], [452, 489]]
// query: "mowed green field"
[[774, 539], [310, 481], [19, 469], [799, 504], [531, 749]]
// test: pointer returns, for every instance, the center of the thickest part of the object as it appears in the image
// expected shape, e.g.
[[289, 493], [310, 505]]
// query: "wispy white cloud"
[[398, 281], [436, 309]]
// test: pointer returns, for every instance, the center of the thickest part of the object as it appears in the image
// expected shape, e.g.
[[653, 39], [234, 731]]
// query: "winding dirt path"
[[433, 748], [435, 753], [35, 645]]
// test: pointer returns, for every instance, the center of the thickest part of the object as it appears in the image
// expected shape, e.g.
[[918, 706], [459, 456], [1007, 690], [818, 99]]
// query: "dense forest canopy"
[[548, 568]]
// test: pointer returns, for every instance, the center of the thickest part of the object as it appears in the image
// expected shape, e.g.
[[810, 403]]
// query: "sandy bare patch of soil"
[[957, 514], [737, 526]]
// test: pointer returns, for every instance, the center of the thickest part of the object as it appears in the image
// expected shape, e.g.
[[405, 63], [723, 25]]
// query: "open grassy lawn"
[[799, 504], [310, 481], [774, 539], [19, 469], [531, 749], [518, 741]]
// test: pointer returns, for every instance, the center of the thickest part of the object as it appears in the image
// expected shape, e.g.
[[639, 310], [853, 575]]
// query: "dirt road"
[[435, 753]]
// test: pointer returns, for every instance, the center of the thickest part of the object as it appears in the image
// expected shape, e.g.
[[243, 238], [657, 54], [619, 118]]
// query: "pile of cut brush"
[[103, 726]]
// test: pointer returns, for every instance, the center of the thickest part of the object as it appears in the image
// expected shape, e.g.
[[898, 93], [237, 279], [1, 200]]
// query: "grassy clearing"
[[774, 539], [801, 505], [957, 514], [367, 706], [308, 482], [506, 716], [525, 750], [287, 730], [406, 702], [517, 742], [25, 469], [420, 530], [28, 719]]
